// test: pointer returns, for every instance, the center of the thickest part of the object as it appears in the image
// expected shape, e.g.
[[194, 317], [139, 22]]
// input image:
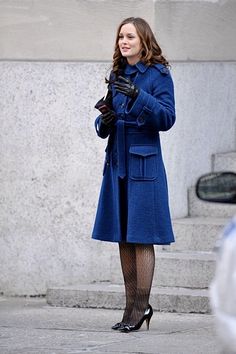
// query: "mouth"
[[125, 48]]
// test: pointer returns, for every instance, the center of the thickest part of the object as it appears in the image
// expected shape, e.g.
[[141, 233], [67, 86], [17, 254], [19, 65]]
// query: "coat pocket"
[[143, 162]]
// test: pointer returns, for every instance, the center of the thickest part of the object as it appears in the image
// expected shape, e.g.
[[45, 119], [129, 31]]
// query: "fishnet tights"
[[137, 263]]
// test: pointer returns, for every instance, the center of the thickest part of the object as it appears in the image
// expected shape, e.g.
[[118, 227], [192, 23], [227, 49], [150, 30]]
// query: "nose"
[[124, 40]]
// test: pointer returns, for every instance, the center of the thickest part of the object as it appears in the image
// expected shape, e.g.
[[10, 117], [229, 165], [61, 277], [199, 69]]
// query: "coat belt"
[[121, 126]]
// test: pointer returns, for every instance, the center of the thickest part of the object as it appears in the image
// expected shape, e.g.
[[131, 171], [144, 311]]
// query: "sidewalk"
[[30, 326]]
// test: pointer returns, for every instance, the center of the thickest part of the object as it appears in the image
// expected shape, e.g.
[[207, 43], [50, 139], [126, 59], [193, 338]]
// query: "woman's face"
[[129, 43]]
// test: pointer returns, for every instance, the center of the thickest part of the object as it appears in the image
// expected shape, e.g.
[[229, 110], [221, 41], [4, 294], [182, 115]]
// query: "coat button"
[[165, 71], [141, 120]]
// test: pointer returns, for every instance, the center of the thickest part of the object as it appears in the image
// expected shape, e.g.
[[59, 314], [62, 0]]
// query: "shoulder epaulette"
[[162, 68]]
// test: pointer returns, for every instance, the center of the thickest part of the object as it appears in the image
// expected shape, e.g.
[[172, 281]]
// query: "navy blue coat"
[[133, 203]]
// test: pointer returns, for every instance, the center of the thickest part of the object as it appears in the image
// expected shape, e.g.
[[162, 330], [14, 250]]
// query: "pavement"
[[31, 326]]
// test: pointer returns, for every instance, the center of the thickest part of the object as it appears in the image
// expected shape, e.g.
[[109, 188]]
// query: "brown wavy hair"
[[151, 52]]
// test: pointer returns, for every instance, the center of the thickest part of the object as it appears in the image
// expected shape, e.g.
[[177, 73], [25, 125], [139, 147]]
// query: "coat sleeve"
[[156, 110], [102, 129]]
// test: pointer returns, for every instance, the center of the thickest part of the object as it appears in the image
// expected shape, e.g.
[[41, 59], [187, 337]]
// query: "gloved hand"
[[126, 87], [108, 118]]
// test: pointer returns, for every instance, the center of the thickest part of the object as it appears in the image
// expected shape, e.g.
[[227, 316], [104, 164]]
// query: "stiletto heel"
[[146, 317], [148, 322]]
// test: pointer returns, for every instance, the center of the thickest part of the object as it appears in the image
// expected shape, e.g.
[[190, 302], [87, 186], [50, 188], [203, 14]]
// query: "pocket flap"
[[143, 150]]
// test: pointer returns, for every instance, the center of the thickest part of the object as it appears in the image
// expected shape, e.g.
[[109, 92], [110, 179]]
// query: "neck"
[[131, 61]]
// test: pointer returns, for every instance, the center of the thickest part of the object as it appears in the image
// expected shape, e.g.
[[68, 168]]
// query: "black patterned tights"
[[137, 263]]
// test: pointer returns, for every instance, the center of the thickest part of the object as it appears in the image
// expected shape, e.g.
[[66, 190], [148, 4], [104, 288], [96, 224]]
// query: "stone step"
[[198, 207], [177, 269], [196, 233], [224, 161], [111, 296]]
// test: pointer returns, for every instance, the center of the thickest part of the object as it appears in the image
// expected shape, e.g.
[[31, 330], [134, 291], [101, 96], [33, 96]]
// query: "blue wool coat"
[[133, 203]]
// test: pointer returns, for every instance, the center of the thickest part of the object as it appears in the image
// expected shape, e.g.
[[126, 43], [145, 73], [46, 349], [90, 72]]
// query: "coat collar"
[[131, 69]]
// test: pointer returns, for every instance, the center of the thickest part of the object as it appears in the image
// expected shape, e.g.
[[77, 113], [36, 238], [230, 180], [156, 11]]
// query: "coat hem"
[[131, 240]]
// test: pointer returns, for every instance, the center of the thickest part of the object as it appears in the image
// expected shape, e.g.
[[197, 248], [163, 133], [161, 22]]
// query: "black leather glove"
[[108, 118], [126, 87]]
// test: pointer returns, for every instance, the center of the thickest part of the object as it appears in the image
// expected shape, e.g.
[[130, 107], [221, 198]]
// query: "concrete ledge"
[[198, 207], [85, 30], [111, 296], [65, 30], [176, 269], [197, 233], [197, 29], [185, 269], [224, 162]]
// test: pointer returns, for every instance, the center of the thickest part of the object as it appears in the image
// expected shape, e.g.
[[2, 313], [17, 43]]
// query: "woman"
[[133, 205]]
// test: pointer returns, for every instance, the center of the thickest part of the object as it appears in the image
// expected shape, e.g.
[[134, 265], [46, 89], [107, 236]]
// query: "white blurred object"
[[223, 289]]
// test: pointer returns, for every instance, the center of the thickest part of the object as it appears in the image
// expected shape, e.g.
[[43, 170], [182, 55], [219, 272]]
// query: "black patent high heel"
[[146, 317], [118, 325]]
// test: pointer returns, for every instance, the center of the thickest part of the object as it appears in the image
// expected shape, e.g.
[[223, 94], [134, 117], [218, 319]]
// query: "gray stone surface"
[[224, 162], [51, 164], [51, 167], [188, 147], [198, 207], [29, 326], [58, 30], [177, 269], [185, 269], [197, 233], [85, 30], [108, 295], [206, 24]]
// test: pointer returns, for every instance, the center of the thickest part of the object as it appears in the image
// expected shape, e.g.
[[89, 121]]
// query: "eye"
[[120, 36]]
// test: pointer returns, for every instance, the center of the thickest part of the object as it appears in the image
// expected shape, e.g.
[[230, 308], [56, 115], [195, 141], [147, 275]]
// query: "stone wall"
[[54, 56]]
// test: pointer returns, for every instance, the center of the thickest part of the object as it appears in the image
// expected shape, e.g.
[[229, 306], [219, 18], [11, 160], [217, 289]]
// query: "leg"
[[145, 263], [128, 265]]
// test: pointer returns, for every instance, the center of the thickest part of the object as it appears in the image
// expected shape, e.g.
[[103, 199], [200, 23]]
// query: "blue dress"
[[133, 203]]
